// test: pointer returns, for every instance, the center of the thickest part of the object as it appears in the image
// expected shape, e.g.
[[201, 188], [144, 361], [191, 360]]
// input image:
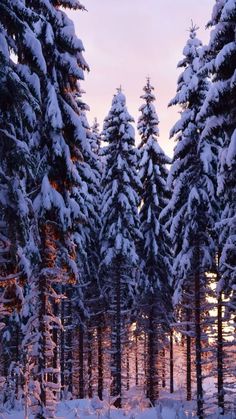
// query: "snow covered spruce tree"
[[59, 144], [94, 298], [219, 111], [90, 170], [19, 105], [120, 228], [193, 204], [155, 245]]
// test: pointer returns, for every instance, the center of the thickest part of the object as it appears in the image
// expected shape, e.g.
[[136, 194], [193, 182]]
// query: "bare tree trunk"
[[171, 363], [81, 363], [90, 369], [136, 360], [68, 339], [17, 354], [48, 256], [163, 368], [42, 350], [62, 360], [220, 377], [127, 369], [152, 384], [145, 355], [55, 340], [117, 349], [198, 346], [100, 363], [188, 357]]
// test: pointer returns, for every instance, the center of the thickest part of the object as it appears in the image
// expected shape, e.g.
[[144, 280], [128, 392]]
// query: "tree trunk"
[[152, 384], [100, 362], [163, 368], [171, 363], [69, 364], [117, 349], [17, 355], [220, 376], [127, 369], [198, 346], [42, 348], [136, 360], [62, 348], [188, 357], [55, 340], [90, 367], [145, 355], [81, 363]]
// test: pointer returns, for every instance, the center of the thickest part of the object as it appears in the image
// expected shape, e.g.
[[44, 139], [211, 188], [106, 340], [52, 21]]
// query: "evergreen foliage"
[[155, 245], [193, 204], [59, 143], [219, 111], [120, 225]]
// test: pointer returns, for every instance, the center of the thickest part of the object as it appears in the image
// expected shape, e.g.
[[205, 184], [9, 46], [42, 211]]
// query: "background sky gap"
[[127, 40]]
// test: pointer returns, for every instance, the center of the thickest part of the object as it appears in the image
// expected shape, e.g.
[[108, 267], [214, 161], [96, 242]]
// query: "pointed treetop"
[[119, 104], [191, 49], [119, 96], [193, 30], [148, 89], [148, 120], [119, 89]]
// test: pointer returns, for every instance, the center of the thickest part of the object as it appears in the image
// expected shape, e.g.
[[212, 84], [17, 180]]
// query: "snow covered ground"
[[84, 409], [81, 409]]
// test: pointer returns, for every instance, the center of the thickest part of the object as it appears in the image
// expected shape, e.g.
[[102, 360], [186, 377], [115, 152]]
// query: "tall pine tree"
[[19, 107], [120, 228], [59, 144], [219, 113], [193, 204], [220, 110], [155, 245]]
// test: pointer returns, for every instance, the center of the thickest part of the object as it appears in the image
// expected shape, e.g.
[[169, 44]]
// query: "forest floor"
[[170, 407]]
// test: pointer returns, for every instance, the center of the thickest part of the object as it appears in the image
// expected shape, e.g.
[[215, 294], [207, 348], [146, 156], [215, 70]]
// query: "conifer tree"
[[120, 228], [193, 203], [59, 144], [155, 245], [219, 108], [94, 298], [219, 112], [92, 170], [19, 106]]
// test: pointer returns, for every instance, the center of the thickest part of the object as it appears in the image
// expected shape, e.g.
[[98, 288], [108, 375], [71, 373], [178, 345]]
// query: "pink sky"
[[127, 40]]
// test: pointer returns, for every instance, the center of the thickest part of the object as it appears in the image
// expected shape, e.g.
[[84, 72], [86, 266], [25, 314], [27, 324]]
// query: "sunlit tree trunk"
[[220, 377], [69, 365], [127, 369], [163, 368]]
